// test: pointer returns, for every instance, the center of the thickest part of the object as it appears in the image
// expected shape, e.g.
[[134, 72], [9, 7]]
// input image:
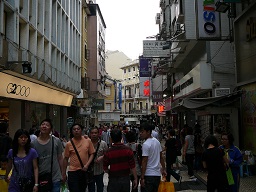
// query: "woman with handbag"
[[235, 158], [22, 159], [80, 151]]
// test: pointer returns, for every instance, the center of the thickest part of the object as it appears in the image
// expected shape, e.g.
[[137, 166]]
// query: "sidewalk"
[[247, 183]]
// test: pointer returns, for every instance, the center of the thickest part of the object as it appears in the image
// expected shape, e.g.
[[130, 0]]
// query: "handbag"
[[45, 179], [26, 184], [165, 186], [230, 177]]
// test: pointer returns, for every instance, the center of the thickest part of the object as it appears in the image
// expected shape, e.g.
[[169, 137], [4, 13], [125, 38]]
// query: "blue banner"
[[120, 96]]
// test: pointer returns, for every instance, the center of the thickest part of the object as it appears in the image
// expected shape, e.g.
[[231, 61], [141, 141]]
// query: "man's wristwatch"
[[36, 184]]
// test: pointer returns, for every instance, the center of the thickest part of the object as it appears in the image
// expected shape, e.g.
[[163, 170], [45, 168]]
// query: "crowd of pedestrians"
[[132, 156]]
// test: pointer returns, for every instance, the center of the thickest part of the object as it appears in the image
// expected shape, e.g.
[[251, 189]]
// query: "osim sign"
[[209, 16]]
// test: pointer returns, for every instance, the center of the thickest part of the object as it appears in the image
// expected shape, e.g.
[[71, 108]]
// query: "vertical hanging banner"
[[208, 20], [145, 77], [120, 96]]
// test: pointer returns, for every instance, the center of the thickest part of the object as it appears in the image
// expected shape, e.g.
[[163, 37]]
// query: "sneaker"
[[177, 171], [192, 177], [180, 179]]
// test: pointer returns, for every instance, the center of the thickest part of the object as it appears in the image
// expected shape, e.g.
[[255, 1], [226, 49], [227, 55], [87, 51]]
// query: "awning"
[[197, 103]]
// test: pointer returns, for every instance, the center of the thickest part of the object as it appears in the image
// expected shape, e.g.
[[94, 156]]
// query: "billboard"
[[154, 48], [208, 20]]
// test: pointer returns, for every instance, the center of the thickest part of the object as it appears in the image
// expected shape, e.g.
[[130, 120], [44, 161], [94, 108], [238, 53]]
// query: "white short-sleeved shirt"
[[151, 148]]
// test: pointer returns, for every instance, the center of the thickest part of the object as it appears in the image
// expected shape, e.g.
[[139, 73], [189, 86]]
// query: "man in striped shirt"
[[118, 162]]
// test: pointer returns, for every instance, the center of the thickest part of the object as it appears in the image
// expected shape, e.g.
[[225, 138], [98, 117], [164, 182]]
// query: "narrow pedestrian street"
[[199, 184]]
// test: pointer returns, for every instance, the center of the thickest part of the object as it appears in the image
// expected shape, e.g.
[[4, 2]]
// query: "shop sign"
[[222, 92], [98, 104], [208, 21], [16, 88], [157, 96], [153, 48], [199, 78]]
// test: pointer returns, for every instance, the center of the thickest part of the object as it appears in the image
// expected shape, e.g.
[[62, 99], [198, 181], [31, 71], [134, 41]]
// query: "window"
[[133, 68], [85, 51], [129, 69], [108, 106], [124, 70], [140, 105], [107, 90]]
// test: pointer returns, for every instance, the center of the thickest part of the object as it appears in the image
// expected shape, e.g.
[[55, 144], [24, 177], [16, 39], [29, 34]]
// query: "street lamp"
[[221, 7]]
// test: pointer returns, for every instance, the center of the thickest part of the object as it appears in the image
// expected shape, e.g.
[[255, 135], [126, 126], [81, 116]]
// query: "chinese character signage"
[[153, 48]]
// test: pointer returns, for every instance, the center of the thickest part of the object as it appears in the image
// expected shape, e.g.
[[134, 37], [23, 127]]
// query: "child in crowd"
[[3, 183]]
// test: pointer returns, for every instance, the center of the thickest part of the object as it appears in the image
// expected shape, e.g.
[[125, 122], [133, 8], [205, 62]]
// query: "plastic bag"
[[230, 177], [166, 186], [64, 187]]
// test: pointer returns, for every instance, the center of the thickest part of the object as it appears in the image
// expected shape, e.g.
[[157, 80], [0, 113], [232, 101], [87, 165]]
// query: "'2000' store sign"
[[13, 88]]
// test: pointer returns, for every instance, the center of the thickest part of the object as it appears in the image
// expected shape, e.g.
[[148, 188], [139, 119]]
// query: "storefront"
[[25, 102], [193, 102]]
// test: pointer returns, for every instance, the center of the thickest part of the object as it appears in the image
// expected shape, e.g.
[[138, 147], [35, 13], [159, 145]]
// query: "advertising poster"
[[249, 117]]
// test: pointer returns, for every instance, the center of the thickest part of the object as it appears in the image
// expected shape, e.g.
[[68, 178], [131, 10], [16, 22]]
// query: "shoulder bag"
[[90, 171], [45, 179]]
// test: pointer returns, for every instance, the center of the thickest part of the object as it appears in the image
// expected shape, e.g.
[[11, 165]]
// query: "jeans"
[[190, 163], [77, 181], [119, 184], [56, 186], [98, 179], [170, 172], [151, 184]]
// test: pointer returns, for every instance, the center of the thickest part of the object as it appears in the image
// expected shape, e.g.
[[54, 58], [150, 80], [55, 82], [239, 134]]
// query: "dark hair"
[[147, 127], [190, 131], [116, 135], [210, 139], [230, 137], [169, 127], [94, 128], [71, 129], [15, 144], [32, 130], [130, 136], [48, 121], [172, 132], [37, 132], [3, 127]]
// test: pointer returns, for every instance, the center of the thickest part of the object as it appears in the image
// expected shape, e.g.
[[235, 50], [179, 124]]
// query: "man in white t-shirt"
[[153, 165]]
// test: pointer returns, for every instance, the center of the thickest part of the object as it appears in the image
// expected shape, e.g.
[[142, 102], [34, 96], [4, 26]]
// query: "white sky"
[[128, 23]]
